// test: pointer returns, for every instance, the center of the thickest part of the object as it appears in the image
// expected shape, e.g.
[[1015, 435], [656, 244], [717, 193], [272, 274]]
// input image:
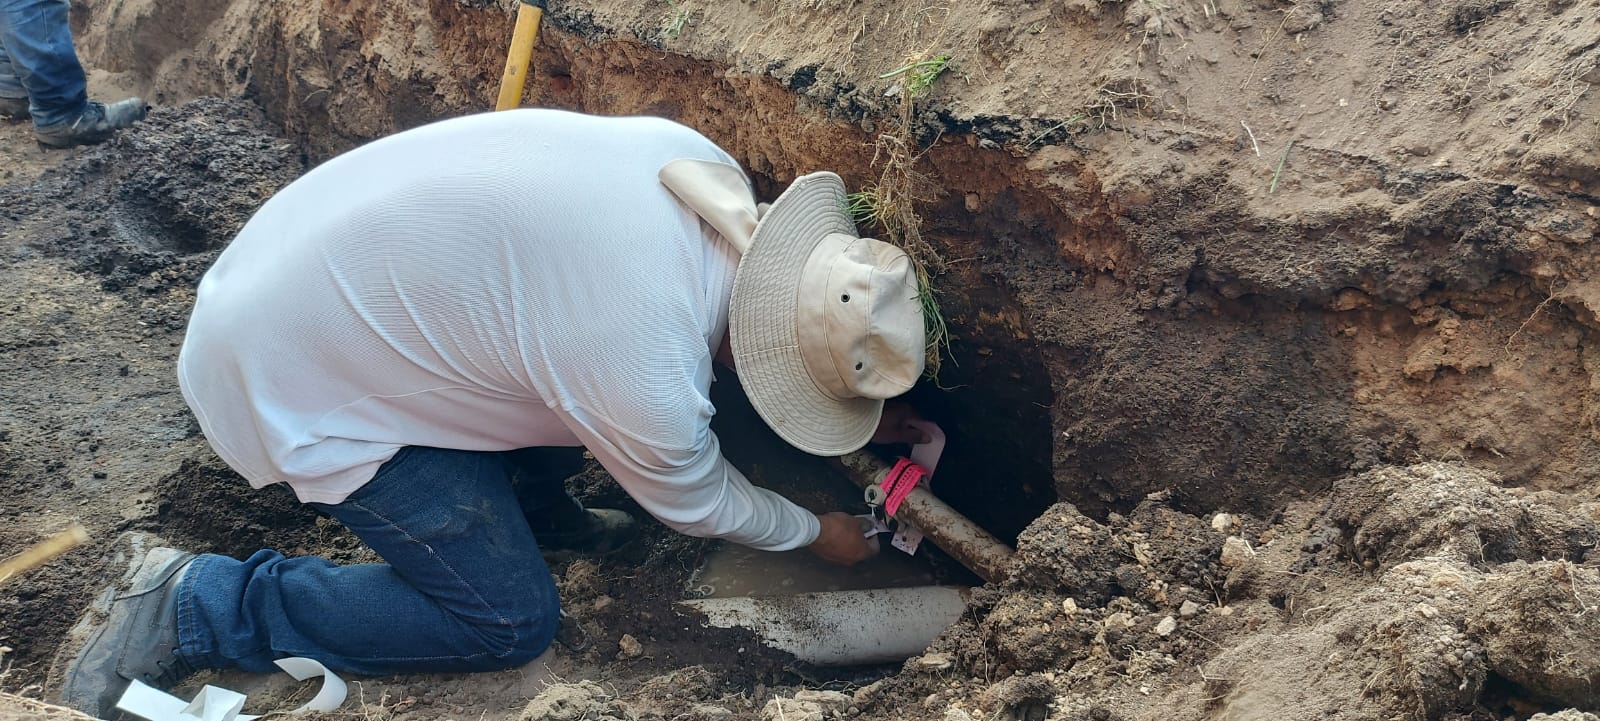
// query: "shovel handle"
[[518, 58], [41, 553]]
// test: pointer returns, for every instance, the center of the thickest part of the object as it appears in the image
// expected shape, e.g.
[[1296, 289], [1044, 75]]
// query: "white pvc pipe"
[[843, 628]]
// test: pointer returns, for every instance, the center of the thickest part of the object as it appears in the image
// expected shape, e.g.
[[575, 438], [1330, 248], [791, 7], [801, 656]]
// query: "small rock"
[[1167, 626], [1301, 20], [582, 701], [935, 661], [1235, 551], [1069, 607], [711, 713], [1189, 609], [788, 709], [1570, 714], [867, 692], [1120, 619], [830, 701], [955, 714], [629, 647], [602, 603], [1222, 522]]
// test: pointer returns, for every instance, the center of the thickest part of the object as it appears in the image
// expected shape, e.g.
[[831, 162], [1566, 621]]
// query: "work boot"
[[540, 477], [14, 109], [130, 632], [95, 124], [599, 531]]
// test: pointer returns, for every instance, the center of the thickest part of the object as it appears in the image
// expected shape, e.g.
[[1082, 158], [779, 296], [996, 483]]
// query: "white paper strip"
[[333, 690], [220, 704]]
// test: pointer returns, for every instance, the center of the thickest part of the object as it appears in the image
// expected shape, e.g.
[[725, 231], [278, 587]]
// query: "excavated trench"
[[1281, 388], [1122, 323], [1150, 324]]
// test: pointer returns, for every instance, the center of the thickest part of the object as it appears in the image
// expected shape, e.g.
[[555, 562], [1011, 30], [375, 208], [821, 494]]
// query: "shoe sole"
[[70, 145]]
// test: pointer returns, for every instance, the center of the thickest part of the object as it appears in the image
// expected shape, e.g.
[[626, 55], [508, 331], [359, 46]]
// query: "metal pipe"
[[957, 535]]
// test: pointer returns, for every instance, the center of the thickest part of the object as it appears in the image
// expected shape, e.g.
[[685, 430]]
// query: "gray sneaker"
[[14, 109], [96, 124], [131, 630]]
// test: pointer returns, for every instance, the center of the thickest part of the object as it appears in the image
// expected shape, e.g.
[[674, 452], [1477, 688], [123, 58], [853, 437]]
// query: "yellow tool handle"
[[521, 54], [42, 552]]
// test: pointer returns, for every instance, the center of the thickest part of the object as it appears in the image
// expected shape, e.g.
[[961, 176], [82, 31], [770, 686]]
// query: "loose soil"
[[1271, 326]]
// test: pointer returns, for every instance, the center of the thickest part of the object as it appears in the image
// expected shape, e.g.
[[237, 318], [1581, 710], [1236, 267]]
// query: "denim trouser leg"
[[465, 587], [10, 84], [38, 43]]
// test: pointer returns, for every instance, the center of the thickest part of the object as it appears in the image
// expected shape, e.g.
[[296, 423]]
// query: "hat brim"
[[764, 318]]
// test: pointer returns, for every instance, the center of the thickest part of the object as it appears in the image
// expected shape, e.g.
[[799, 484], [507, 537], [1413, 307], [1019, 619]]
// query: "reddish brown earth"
[[1321, 266]]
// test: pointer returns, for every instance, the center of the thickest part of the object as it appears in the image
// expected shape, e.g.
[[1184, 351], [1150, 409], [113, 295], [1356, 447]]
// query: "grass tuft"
[[889, 204], [920, 74], [677, 17]]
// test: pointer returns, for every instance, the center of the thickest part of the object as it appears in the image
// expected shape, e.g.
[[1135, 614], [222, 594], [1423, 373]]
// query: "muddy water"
[[738, 571]]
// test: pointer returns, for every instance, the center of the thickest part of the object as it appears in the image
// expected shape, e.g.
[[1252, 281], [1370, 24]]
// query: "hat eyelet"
[[858, 366], [844, 298]]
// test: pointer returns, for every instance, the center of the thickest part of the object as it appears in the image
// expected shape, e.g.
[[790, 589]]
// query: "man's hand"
[[841, 540], [892, 427]]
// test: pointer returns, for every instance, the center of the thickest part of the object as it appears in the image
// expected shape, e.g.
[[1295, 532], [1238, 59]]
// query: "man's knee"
[[521, 637]]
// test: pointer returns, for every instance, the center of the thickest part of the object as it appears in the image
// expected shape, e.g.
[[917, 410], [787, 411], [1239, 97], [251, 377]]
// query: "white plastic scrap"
[[907, 538], [220, 704], [927, 454]]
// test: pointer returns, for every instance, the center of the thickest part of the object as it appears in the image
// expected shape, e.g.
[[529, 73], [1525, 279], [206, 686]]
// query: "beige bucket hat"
[[825, 324]]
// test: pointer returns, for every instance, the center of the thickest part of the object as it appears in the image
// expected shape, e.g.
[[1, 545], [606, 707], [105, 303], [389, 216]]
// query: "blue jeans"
[[465, 587], [37, 60]]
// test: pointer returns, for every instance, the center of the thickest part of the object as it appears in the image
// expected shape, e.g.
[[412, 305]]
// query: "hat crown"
[[825, 325], [861, 332]]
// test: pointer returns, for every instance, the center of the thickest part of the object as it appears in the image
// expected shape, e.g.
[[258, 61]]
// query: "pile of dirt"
[[1335, 612], [150, 210]]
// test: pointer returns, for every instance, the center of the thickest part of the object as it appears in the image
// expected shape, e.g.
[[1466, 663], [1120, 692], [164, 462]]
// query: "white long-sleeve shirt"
[[485, 283]]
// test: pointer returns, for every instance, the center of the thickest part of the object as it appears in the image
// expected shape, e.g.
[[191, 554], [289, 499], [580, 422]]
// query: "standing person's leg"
[[13, 97], [465, 589], [38, 40]]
